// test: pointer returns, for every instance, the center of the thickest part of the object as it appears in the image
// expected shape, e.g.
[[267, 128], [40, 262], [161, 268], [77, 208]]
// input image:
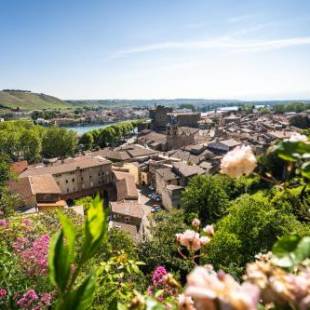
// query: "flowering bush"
[[33, 255]]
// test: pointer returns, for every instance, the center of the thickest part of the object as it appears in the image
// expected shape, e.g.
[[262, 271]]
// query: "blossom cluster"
[[33, 254], [207, 289], [279, 287], [32, 300], [264, 283], [192, 240], [158, 276], [164, 282]]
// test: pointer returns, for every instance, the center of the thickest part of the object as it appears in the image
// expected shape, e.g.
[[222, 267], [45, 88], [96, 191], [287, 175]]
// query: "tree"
[[252, 226], [59, 142], [4, 170], [30, 144], [87, 140], [206, 197], [161, 249]]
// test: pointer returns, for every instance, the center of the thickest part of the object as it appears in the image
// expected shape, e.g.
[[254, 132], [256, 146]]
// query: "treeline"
[[25, 140], [291, 107], [108, 136]]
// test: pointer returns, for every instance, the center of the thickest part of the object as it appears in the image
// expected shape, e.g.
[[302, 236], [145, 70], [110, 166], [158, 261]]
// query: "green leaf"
[[303, 249], [96, 228], [291, 151], [82, 297], [290, 251], [305, 170], [285, 245], [61, 254]]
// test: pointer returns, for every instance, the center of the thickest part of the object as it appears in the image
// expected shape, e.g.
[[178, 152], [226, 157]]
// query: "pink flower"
[[209, 230], [3, 292], [26, 222], [46, 299], [208, 288], [27, 299], [240, 161], [33, 254], [3, 223], [190, 239], [158, 276]]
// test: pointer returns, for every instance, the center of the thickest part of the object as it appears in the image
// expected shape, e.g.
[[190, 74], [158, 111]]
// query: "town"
[[150, 172]]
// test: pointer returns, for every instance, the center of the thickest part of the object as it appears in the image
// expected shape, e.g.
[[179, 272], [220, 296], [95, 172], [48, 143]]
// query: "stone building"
[[71, 178], [185, 119], [159, 117], [129, 216]]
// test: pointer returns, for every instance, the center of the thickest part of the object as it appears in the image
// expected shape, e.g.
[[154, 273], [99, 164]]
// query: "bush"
[[252, 226]]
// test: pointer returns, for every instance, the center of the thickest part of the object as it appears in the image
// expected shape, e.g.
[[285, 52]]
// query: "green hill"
[[26, 100]]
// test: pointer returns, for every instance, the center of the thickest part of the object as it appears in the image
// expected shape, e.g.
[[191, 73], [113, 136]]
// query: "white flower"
[[195, 223], [185, 302], [296, 137], [240, 161], [204, 240], [209, 230]]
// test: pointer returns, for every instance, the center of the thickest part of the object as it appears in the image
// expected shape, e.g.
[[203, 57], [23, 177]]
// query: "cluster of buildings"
[[169, 150]]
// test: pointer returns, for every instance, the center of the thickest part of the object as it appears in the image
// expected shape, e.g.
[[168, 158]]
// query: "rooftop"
[[128, 208]]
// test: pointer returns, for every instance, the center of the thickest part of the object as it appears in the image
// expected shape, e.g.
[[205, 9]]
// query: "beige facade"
[[83, 179]]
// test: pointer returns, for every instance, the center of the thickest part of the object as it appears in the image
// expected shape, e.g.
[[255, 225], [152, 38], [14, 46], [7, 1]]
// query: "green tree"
[[4, 170], [87, 140], [161, 248], [30, 145], [206, 197], [252, 226], [59, 142]]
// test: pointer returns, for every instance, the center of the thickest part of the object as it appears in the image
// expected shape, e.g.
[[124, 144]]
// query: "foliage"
[[252, 226], [59, 142], [24, 140], [116, 281], [294, 200], [87, 140], [206, 197], [291, 107], [162, 248], [291, 250], [74, 294], [111, 135]]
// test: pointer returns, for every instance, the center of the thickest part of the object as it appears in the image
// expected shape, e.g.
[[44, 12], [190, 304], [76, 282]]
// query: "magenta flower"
[[3, 292], [33, 254], [3, 223], [46, 299], [27, 299], [158, 276]]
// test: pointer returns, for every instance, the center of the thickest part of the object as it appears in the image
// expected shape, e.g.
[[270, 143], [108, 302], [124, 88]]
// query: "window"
[[66, 181], [99, 174], [72, 179], [67, 190], [90, 176], [82, 178]]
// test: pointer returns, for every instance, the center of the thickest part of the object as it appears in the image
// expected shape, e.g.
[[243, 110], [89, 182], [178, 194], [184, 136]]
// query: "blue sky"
[[157, 48]]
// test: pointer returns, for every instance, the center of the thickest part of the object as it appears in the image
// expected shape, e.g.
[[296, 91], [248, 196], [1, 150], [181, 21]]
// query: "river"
[[81, 129]]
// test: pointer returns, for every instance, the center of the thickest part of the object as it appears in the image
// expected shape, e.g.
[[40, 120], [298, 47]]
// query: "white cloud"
[[221, 43]]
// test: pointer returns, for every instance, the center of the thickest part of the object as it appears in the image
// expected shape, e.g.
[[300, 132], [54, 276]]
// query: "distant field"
[[28, 101]]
